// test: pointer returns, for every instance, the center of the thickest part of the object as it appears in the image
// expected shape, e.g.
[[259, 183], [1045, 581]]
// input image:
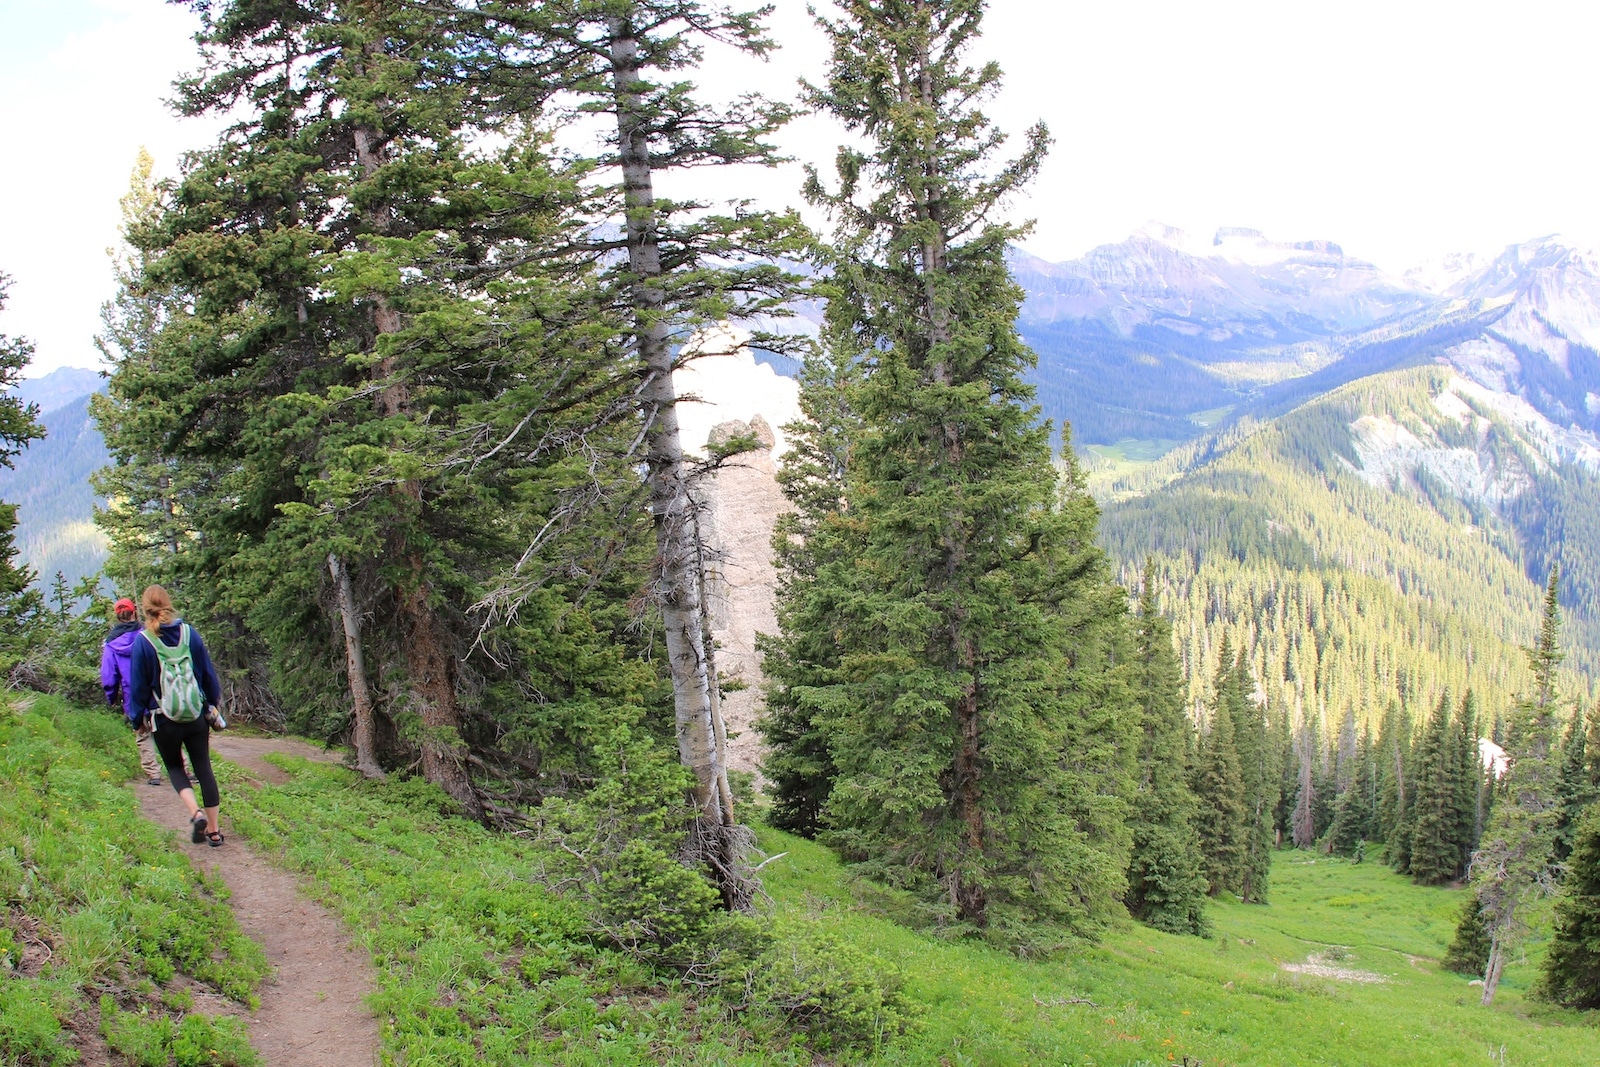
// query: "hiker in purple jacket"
[[116, 680]]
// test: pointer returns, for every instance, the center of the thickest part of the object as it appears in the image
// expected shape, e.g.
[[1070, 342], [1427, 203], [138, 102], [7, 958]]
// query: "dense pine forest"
[[391, 413]]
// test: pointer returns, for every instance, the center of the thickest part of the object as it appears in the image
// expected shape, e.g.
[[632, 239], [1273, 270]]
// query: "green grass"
[[1221, 1001], [476, 956], [1131, 451], [480, 962], [100, 907]]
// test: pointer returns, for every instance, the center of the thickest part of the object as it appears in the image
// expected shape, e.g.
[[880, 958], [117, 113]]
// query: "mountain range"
[[1423, 445], [50, 480]]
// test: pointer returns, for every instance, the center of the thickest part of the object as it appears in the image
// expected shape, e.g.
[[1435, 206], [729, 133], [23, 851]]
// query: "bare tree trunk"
[[678, 584], [719, 731], [1491, 974], [365, 732]]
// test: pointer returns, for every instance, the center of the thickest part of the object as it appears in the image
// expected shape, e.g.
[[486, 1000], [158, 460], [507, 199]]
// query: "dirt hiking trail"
[[313, 1009]]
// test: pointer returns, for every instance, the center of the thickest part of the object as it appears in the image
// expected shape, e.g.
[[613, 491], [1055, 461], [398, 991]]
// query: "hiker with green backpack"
[[176, 686]]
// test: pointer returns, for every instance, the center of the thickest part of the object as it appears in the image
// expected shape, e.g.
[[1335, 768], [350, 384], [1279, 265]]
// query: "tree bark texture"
[[365, 729], [1491, 973]]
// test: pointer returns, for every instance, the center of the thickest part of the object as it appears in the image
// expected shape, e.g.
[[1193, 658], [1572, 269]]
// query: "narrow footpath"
[[313, 1009]]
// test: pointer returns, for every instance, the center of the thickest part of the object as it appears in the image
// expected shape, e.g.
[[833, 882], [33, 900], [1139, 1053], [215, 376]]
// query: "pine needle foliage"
[[1165, 885], [981, 737], [1513, 864], [18, 425], [1219, 784], [344, 326], [1572, 964]]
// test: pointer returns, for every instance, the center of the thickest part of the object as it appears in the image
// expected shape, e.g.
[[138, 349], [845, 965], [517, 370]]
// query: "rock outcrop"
[[742, 502]]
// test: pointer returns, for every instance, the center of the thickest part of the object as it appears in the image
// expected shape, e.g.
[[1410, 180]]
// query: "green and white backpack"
[[180, 698]]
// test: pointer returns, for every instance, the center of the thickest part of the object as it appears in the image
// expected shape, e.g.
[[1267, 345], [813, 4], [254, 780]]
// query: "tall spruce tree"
[[1352, 822], [1259, 771], [1219, 784], [1165, 885], [981, 740], [1469, 782], [362, 338], [1512, 866], [1434, 851], [812, 544], [1576, 792], [1303, 831], [1571, 972]]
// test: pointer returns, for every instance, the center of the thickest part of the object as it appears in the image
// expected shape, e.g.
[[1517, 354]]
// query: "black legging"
[[172, 740]]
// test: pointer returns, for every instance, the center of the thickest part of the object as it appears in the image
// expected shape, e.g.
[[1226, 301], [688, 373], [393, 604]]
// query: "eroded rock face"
[[742, 502]]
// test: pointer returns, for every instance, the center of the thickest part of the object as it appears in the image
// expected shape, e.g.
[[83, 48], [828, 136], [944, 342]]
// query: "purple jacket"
[[116, 670]]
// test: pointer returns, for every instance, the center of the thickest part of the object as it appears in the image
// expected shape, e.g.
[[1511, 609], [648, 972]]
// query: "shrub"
[[837, 995], [1469, 950], [624, 842]]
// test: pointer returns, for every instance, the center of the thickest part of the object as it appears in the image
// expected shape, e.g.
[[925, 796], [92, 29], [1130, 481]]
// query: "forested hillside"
[[1355, 575], [55, 500]]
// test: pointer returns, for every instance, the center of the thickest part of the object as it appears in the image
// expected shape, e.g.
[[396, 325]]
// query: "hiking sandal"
[[197, 828], [215, 839]]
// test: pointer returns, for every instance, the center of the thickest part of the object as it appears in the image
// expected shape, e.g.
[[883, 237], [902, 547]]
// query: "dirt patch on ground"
[[313, 1010], [1317, 966], [247, 752]]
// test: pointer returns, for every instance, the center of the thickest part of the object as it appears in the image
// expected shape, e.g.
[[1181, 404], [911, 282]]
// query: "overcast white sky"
[[1402, 129]]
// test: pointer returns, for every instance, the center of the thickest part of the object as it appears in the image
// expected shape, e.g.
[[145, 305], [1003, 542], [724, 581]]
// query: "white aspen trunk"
[[365, 731]]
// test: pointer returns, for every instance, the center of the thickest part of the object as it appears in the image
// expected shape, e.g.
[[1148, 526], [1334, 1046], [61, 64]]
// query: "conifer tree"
[[18, 425], [812, 543], [1575, 791], [146, 495], [676, 265], [362, 338], [1434, 851], [1469, 947], [1353, 818], [1281, 720], [1304, 833], [1259, 770], [1219, 784], [1469, 782], [1165, 885], [1512, 866], [983, 746], [1571, 973]]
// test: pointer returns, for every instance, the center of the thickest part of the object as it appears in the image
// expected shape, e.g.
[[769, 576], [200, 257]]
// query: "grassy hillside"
[[484, 961], [1349, 595], [107, 932]]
